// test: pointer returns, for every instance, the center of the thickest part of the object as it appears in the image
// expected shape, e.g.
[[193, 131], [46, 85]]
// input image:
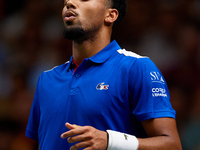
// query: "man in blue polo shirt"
[[104, 97]]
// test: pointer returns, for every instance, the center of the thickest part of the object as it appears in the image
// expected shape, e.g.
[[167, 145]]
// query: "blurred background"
[[31, 41]]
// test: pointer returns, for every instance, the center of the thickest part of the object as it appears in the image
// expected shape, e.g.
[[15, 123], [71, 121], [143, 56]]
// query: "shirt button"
[[77, 75]]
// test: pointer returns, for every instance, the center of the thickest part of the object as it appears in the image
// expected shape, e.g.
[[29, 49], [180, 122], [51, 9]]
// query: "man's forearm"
[[159, 143]]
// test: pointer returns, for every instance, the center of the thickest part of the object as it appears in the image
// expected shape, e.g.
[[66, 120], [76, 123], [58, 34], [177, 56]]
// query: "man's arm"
[[162, 134]]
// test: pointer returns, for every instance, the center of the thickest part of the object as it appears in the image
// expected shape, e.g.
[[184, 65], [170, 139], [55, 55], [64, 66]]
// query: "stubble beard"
[[76, 33]]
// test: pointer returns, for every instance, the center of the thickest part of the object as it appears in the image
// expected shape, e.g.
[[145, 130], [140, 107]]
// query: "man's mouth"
[[69, 15]]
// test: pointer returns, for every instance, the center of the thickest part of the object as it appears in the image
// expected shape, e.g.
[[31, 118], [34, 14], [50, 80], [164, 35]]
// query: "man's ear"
[[111, 16]]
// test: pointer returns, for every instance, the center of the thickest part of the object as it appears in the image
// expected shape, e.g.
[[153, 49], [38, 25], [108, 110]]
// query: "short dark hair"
[[121, 6]]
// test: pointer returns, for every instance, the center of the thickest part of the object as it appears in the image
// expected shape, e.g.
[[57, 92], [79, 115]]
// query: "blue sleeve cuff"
[[31, 135], [153, 115]]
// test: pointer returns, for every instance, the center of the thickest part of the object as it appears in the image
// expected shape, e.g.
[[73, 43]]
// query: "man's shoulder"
[[132, 58], [130, 54], [57, 71], [134, 61], [54, 75], [59, 68]]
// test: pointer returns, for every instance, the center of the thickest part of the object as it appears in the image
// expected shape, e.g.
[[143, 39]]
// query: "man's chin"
[[73, 33]]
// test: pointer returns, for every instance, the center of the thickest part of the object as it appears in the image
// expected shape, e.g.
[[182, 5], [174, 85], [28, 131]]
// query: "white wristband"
[[121, 141]]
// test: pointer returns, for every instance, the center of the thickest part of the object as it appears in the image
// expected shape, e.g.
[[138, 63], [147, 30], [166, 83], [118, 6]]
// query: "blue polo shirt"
[[115, 89]]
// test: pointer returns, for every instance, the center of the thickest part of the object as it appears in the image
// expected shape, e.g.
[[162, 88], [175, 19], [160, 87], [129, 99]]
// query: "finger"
[[78, 138], [63, 135], [74, 130], [80, 145], [71, 126], [69, 133]]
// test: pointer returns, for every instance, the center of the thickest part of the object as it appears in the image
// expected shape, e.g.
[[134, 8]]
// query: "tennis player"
[[104, 97]]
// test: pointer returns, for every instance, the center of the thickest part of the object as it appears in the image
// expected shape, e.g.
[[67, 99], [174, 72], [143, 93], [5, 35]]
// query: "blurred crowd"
[[31, 41]]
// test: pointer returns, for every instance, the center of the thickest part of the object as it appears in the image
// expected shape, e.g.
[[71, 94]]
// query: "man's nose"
[[70, 4]]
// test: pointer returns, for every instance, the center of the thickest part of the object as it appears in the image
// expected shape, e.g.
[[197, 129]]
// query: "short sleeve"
[[34, 117], [149, 91]]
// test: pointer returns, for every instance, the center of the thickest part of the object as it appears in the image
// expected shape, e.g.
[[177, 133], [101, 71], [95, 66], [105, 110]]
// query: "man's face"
[[83, 18]]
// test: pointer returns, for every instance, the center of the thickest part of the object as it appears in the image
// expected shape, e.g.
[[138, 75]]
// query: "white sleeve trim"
[[129, 53]]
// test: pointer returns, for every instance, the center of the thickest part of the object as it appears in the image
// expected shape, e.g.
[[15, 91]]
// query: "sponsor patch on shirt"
[[156, 77], [159, 92]]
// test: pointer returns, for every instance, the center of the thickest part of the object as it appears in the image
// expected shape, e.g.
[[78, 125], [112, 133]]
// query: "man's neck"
[[88, 48]]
